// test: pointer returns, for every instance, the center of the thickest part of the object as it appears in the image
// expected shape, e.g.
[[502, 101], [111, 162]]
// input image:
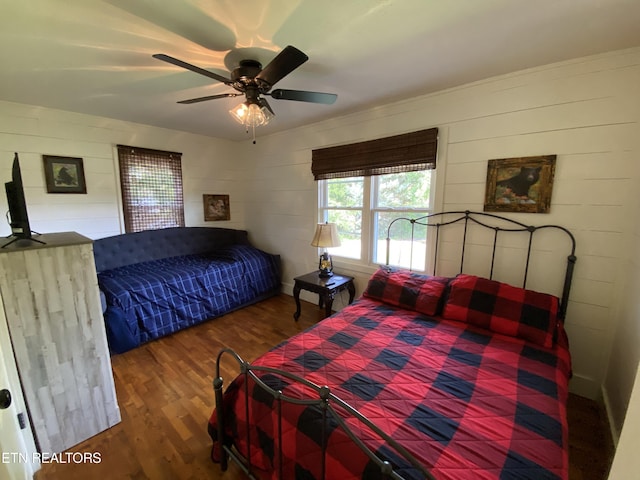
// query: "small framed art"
[[64, 174], [216, 207]]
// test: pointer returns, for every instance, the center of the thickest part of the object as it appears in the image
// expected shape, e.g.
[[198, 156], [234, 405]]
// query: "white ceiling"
[[94, 56]]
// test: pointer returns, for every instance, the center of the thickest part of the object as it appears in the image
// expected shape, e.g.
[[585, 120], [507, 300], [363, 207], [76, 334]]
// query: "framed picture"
[[521, 184], [64, 174], [216, 207]]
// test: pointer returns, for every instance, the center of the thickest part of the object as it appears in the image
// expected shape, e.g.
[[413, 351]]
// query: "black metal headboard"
[[497, 224]]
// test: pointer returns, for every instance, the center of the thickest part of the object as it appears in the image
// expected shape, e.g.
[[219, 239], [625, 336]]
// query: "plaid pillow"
[[503, 309], [405, 289]]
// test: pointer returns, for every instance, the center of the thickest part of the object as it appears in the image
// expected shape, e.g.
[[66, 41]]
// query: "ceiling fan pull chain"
[[254, 134]]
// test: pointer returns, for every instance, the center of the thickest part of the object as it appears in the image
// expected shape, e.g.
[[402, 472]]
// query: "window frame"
[[369, 210], [137, 156]]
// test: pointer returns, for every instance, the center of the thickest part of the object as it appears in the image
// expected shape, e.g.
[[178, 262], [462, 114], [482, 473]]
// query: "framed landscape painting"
[[521, 184]]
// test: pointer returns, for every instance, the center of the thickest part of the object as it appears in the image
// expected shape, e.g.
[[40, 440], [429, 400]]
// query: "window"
[[151, 183], [364, 207], [363, 187]]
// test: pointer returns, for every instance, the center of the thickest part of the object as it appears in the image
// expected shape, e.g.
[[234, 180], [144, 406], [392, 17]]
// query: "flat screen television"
[[17, 215]]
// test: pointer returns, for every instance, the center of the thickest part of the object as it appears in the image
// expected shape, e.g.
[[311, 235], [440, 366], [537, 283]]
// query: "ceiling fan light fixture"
[[250, 79], [251, 114]]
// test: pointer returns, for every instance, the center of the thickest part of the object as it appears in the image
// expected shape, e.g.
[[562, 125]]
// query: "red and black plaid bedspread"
[[467, 403]]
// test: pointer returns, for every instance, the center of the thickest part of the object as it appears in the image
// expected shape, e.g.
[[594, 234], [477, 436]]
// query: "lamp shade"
[[326, 236]]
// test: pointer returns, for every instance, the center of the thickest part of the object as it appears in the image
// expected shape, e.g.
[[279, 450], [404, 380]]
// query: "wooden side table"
[[326, 288]]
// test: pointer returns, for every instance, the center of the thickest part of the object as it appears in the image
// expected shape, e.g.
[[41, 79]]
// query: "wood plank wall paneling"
[[210, 165], [53, 312]]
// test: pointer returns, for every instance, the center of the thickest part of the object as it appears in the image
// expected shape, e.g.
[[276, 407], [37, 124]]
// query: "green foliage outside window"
[[353, 203]]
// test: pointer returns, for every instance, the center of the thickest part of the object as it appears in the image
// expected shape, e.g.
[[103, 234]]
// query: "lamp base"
[[325, 265], [325, 274]]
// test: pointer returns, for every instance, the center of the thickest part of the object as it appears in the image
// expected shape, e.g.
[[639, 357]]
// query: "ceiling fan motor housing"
[[243, 77], [252, 94]]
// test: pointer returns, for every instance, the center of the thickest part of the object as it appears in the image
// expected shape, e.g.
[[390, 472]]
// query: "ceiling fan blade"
[[210, 97], [283, 64], [193, 68], [304, 96]]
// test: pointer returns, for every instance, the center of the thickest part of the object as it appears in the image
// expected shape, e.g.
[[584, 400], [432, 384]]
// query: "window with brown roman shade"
[[151, 184], [400, 153]]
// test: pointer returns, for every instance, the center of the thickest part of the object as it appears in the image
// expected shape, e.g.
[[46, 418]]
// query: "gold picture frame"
[[520, 184], [216, 207]]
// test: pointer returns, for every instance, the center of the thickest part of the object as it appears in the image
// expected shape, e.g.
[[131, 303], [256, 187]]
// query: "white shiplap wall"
[[623, 363], [585, 111], [34, 131]]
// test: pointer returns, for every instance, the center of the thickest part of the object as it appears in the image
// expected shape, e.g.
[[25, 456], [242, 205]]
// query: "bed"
[[157, 282], [424, 376]]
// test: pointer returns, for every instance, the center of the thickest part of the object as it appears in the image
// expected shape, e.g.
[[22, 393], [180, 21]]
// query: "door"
[[18, 456]]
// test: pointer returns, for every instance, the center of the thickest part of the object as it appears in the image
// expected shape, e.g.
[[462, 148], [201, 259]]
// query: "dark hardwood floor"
[[590, 444], [165, 396]]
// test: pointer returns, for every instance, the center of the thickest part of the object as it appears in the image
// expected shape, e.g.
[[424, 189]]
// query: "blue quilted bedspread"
[[153, 299]]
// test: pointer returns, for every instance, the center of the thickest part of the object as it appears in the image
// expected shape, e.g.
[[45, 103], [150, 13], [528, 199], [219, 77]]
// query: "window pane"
[[403, 251], [349, 223], [345, 192], [371, 203], [404, 190]]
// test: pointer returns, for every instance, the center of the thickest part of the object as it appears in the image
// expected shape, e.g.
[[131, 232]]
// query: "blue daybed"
[[156, 282]]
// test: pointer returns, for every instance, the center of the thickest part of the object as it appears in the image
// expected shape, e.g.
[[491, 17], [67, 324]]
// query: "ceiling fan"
[[254, 82]]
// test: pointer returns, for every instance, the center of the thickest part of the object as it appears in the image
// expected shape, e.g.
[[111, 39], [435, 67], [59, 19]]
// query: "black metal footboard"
[[326, 401]]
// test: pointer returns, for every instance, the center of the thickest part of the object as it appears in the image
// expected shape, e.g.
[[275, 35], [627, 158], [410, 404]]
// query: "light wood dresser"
[[52, 305]]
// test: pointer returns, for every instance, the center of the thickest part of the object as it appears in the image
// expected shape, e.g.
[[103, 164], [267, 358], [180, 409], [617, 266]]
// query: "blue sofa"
[[156, 282]]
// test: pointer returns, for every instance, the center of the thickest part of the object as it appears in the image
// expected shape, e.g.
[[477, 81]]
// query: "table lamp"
[[326, 236]]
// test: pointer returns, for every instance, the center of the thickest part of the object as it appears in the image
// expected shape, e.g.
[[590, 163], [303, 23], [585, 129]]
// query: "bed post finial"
[[571, 261], [324, 393], [217, 388]]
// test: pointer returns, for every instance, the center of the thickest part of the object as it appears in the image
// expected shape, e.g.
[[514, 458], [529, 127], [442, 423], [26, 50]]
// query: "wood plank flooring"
[[165, 396]]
